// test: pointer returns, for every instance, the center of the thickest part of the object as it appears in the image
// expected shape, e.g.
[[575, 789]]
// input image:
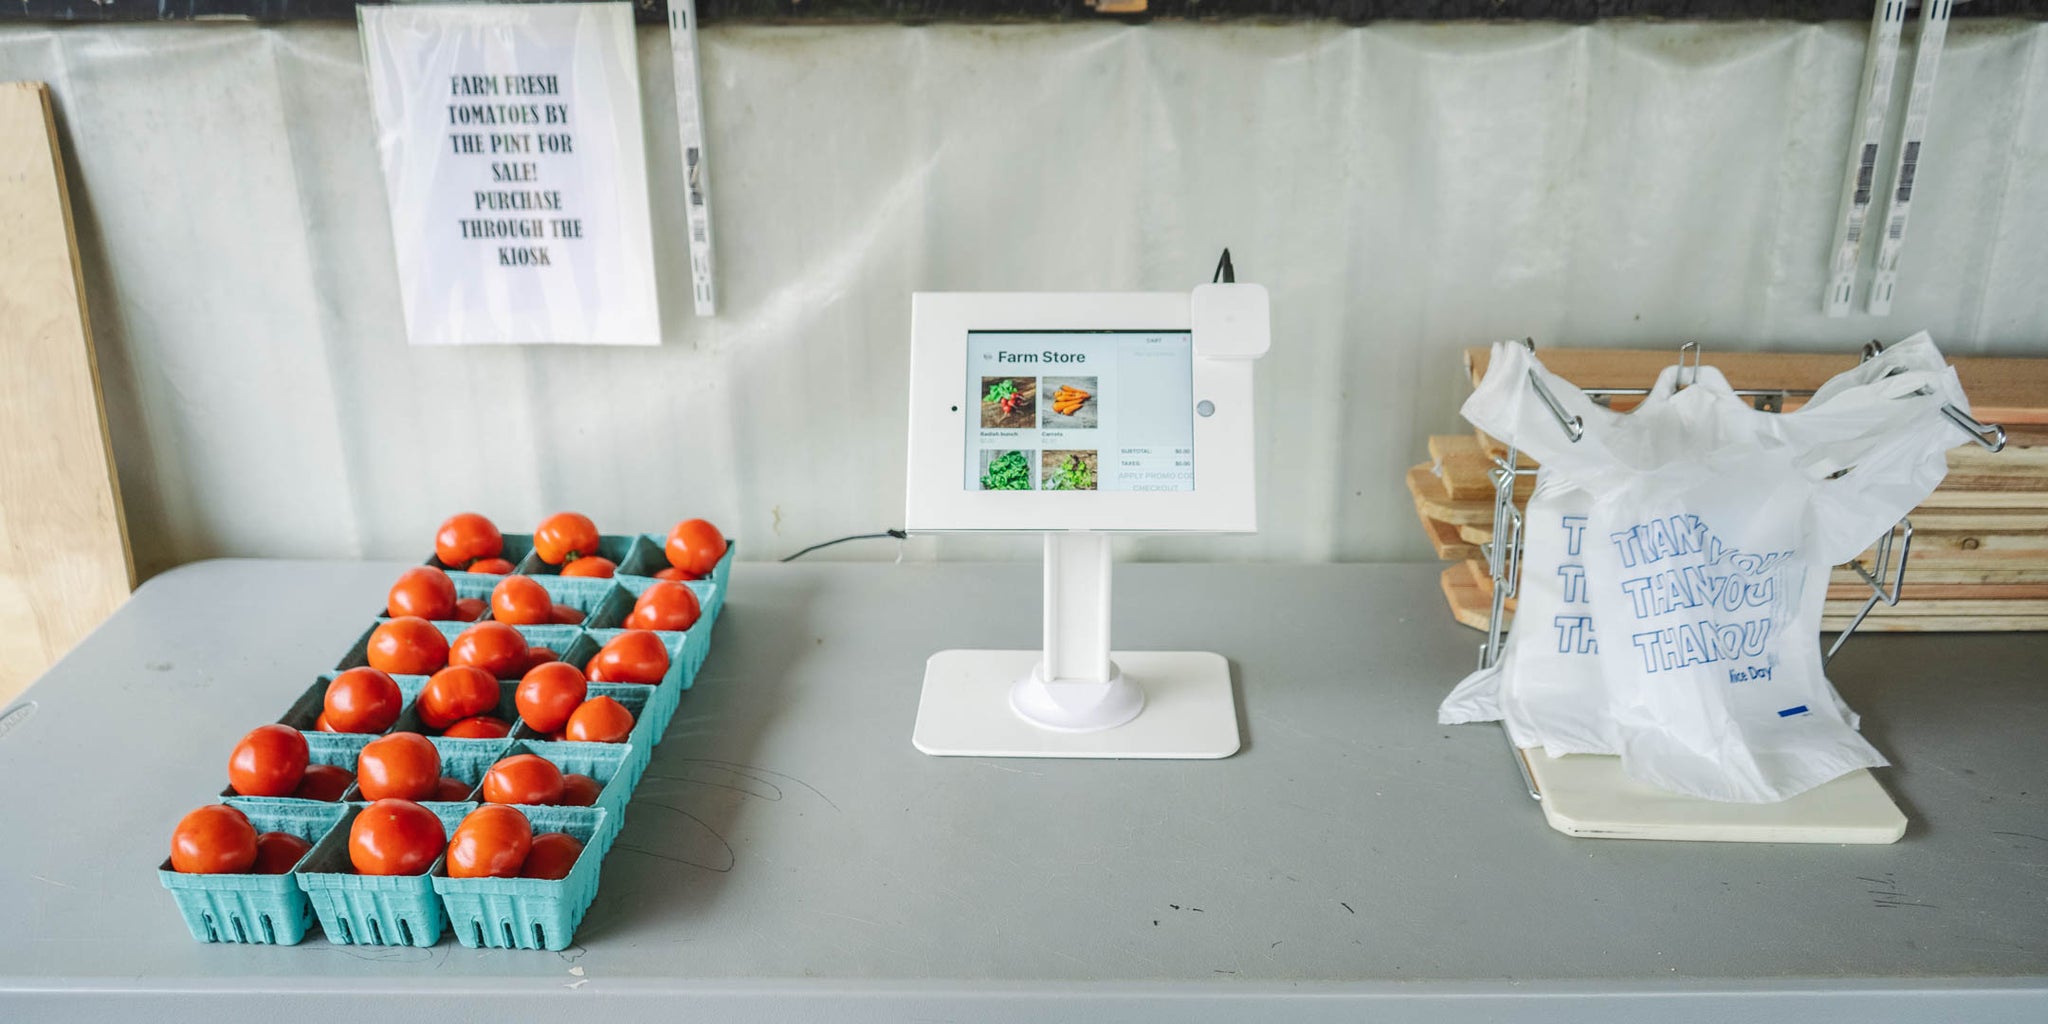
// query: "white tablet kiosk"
[[1077, 416]]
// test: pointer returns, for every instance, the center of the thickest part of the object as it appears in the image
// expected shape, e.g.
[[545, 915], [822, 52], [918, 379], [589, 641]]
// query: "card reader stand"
[[1074, 697], [1077, 698]]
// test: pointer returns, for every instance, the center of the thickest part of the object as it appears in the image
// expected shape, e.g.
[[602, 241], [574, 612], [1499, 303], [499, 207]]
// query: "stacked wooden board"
[[1979, 559]]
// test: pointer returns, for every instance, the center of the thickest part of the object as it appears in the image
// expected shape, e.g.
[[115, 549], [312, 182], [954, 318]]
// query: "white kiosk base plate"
[[965, 710], [1590, 796]]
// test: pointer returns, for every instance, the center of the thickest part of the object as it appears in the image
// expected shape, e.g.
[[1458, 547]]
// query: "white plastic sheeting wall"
[[1404, 190]]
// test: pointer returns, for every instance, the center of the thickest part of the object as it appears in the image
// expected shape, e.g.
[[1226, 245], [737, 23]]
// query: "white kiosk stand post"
[[1076, 686], [1074, 697]]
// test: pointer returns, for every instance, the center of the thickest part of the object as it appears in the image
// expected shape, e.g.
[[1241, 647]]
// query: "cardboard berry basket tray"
[[611, 764], [710, 597], [306, 710], [264, 909], [461, 759], [686, 654], [560, 639], [638, 556], [374, 910], [333, 748], [529, 913], [713, 598], [517, 547], [467, 584]]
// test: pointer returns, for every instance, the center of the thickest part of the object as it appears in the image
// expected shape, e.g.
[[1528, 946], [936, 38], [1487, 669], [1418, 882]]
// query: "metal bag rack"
[[1886, 578]]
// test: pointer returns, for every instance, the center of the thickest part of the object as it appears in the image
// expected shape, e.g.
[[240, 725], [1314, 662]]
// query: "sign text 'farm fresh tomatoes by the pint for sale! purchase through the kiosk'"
[[515, 171]]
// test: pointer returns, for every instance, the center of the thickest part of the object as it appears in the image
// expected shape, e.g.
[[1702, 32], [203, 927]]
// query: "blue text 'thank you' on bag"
[[1546, 687]]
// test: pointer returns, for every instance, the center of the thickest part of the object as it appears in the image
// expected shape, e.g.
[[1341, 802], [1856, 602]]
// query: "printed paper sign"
[[515, 171]]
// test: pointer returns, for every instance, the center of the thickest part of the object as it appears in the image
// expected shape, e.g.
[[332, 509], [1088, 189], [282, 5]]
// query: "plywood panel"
[[64, 562]]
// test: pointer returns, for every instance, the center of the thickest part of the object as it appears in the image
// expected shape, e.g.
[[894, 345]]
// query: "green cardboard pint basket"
[[258, 909], [710, 598], [517, 547], [375, 910], [559, 639], [465, 760], [615, 766], [331, 748], [641, 575], [476, 585], [306, 711], [603, 602], [686, 654], [619, 548], [530, 913]]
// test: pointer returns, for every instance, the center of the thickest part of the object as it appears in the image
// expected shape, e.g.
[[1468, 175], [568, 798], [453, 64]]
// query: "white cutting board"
[[1591, 797]]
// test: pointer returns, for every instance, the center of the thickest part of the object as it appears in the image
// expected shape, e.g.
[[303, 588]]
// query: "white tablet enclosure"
[[946, 405]]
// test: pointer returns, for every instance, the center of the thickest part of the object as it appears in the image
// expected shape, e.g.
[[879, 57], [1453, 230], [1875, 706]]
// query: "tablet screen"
[[1080, 411]]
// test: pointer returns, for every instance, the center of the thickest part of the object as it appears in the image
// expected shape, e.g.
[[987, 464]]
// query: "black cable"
[[1225, 273], [898, 534]]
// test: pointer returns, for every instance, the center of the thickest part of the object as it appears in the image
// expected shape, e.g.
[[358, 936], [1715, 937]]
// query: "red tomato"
[[395, 837], [269, 761], [564, 536], [423, 591], [579, 790], [492, 842], [479, 727], [469, 609], [599, 720], [456, 693], [665, 606], [673, 575], [519, 601], [493, 566], [634, 656], [321, 724], [591, 565], [492, 646], [552, 856], [523, 779], [403, 766], [452, 789], [278, 852], [695, 546], [213, 840], [362, 700], [566, 615], [548, 694], [466, 537], [324, 782], [540, 656], [409, 646]]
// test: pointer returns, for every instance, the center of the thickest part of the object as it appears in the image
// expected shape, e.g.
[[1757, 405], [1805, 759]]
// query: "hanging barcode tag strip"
[[1879, 65], [1926, 61], [682, 41]]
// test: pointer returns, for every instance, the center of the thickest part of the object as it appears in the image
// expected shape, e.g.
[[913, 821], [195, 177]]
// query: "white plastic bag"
[[1546, 687], [1710, 537]]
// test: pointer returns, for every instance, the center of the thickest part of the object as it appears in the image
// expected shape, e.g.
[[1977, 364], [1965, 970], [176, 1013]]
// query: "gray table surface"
[[789, 856]]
